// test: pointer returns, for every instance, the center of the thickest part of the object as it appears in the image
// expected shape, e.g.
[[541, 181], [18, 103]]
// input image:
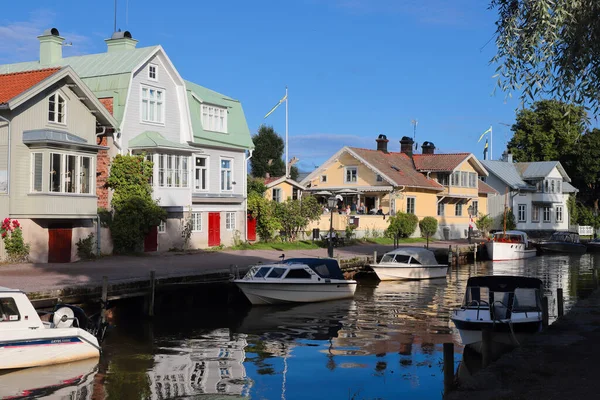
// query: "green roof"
[[152, 140], [238, 134]]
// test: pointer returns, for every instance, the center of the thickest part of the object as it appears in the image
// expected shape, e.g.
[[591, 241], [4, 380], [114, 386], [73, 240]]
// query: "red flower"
[[3, 234]]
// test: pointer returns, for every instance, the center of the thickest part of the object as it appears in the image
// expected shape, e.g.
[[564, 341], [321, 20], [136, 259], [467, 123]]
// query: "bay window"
[[37, 166], [68, 173], [173, 171]]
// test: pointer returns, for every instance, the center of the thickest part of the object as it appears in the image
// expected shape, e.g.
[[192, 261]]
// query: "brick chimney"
[[406, 145], [382, 142], [428, 148], [50, 46], [120, 41]]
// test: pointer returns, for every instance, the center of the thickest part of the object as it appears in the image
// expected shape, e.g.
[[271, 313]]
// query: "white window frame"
[[414, 205], [475, 205], [230, 221], [276, 199], [458, 209], [323, 178], [63, 171], [162, 227], [214, 118], [206, 168], [231, 177], [58, 97], [32, 188], [521, 212], [153, 69], [547, 210], [535, 213], [441, 209], [348, 169], [148, 103], [559, 213], [173, 171], [196, 221]]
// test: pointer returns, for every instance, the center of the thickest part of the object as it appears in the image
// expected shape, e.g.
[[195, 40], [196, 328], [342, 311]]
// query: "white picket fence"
[[585, 230]]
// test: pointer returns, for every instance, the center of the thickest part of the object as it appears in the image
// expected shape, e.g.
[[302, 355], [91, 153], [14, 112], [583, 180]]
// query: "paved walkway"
[[43, 277]]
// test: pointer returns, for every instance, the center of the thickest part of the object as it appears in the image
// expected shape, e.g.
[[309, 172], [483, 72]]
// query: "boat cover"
[[504, 283], [324, 267], [421, 254]]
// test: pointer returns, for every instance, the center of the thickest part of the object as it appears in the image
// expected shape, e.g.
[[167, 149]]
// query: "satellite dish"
[[63, 318]]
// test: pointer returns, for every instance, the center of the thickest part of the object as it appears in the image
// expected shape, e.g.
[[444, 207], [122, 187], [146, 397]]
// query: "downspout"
[[8, 156], [246, 191], [98, 235]]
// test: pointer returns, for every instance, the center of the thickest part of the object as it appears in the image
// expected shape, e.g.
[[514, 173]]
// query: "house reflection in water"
[[211, 364]]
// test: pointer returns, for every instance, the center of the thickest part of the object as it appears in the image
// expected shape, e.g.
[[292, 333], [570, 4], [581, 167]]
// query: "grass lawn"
[[386, 240], [310, 245]]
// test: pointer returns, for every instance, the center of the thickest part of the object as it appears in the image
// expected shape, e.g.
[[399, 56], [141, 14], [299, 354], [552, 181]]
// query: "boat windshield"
[[8, 309], [526, 299], [259, 272], [475, 295], [387, 258]]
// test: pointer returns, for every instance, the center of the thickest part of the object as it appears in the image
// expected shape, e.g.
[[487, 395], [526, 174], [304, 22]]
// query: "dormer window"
[[214, 118], [152, 105], [57, 109], [152, 72]]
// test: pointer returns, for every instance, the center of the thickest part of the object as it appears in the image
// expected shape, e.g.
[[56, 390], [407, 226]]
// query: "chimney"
[[50, 46], [120, 41], [428, 148], [406, 145], [382, 142], [509, 157], [267, 175]]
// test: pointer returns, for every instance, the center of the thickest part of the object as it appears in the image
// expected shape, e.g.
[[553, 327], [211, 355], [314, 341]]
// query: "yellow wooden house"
[[280, 189], [377, 183]]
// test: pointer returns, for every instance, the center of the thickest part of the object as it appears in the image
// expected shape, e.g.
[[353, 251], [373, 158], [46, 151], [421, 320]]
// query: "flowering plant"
[[14, 244]]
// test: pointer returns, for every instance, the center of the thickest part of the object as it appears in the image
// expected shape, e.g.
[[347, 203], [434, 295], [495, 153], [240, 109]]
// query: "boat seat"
[[500, 311]]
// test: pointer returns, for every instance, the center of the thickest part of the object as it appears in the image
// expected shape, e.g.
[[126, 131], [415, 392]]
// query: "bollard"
[[448, 366], [151, 294], [545, 315], [560, 305], [375, 257], [450, 256], [104, 298], [486, 347], [475, 254]]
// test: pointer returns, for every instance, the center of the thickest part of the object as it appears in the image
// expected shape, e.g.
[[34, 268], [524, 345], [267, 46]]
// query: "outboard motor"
[[67, 315]]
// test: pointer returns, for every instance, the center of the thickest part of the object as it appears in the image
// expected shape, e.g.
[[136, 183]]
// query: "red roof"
[[12, 85], [398, 167], [485, 188], [439, 162], [272, 179]]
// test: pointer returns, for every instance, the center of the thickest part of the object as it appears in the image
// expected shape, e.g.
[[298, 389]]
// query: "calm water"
[[383, 344]]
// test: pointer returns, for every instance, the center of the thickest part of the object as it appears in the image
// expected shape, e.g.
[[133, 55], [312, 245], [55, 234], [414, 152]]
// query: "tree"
[[294, 173], [549, 47], [545, 133], [256, 185], [402, 224], [508, 220], [484, 223], [264, 212], [584, 169], [268, 152], [428, 226], [295, 215]]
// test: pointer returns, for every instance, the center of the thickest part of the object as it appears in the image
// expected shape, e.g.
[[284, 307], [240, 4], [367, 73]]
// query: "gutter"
[[246, 191], [5, 106]]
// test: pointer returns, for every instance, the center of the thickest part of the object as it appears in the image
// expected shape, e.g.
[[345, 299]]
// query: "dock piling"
[[151, 294], [448, 366], [545, 315], [449, 256], [486, 347], [104, 298], [457, 256], [560, 305], [375, 257], [475, 253]]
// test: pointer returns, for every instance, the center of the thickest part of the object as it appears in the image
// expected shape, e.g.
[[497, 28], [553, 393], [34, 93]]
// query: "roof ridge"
[[31, 71]]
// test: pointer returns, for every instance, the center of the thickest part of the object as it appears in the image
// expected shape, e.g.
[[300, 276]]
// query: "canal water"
[[386, 343]]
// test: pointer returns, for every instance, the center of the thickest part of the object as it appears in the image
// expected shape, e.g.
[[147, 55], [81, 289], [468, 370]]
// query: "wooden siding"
[[214, 170]]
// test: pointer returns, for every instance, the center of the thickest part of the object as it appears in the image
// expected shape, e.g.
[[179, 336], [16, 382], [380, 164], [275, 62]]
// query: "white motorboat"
[[509, 245], [297, 280], [509, 306], [409, 263], [27, 341]]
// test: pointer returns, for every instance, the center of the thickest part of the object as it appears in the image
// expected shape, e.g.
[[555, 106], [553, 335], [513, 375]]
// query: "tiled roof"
[[272, 179], [12, 85], [398, 167], [439, 162], [485, 188]]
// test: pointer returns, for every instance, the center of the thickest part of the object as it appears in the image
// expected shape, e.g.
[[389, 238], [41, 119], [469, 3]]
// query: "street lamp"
[[470, 211], [331, 203]]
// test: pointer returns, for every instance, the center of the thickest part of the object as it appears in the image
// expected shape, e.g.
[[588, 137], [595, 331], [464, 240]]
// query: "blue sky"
[[354, 68]]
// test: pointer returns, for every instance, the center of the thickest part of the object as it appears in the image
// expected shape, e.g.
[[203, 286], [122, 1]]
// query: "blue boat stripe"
[[39, 342]]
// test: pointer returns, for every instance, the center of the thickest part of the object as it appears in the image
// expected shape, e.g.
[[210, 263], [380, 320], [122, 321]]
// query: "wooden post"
[[560, 302], [104, 298], [152, 288], [475, 254], [449, 256], [545, 315], [375, 257], [486, 347], [457, 256], [448, 366]]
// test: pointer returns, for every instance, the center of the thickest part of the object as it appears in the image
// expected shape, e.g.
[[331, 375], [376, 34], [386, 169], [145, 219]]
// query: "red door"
[[59, 245], [214, 229], [251, 228], [151, 240]]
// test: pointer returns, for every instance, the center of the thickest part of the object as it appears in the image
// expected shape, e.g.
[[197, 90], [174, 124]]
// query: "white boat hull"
[[42, 347], [262, 293], [499, 251], [398, 272]]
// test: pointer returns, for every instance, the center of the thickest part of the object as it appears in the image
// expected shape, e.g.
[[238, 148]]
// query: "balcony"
[[547, 197]]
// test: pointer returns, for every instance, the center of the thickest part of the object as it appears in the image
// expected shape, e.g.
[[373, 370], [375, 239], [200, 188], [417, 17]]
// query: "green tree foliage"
[[402, 224], [264, 212], [545, 133], [428, 226], [549, 47], [586, 216], [135, 212], [256, 185], [510, 220], [295, 215], [584, 168], [268, 152], [484, 223], [294, 173]]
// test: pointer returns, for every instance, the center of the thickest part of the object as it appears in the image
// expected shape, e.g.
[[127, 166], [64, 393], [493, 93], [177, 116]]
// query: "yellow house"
[[280, 189], [376, 183]]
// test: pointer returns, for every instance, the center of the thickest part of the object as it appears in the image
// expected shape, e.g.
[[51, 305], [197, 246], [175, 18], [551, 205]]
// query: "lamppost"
[[470, 211], [331, 202]]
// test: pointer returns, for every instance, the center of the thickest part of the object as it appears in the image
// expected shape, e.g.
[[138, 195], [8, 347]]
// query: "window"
[[546, 184], [410, 205], [522, 213], [173, 171], [226, 172], [261, 273], [276, 192], [55, 172], [559, 214], [558, 188], [294, 194], [36, 171], [70, 174], [455, 178], [85, 175], [464, 176], [162, 227], [547, 213], [297, 274], [351, 174], [57, 109], [169, 170], [441, 208], [276, 273], [443, 179], [152, 105], [535, 213], [214, 118], [230, 221], [458, 209], [196, 222], [201, 174], [475, 205], [8, 310], [323, 178], [472, 180], [152, 72], [379, 178]]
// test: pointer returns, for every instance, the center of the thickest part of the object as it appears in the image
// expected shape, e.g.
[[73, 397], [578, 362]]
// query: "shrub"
[[264, 212], [510, 220], [402, 224], [14, 244], [350, 231], [484, 223], [428, 226], [85, 247], [186, 230]]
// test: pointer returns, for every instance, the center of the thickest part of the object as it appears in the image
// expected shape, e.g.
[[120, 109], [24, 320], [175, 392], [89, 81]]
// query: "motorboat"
[[593, 246], [509, 306], [509, 245], [27, 341], [563, 242], [409, 263], [296, 280]]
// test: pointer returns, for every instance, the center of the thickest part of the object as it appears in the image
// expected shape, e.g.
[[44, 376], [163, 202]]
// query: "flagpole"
[[491, 143], [287, 168]]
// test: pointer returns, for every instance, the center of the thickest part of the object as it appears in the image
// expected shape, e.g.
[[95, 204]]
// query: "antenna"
[[414, 123]]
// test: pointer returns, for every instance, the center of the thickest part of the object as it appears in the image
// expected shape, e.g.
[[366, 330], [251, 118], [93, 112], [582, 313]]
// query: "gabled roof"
[[445, 162], [274, 181], [484, 188], [507, 173], [568, 188], [12, 85], [540, 169]]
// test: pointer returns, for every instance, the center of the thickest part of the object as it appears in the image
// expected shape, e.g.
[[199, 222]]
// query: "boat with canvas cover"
[[27, 341], [563, 242], [509, 245], [296, 280], [409, 263]]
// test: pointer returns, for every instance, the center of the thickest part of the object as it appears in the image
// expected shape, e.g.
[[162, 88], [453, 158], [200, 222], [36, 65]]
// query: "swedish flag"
[[485, 150], [277, 105], [483, 134]]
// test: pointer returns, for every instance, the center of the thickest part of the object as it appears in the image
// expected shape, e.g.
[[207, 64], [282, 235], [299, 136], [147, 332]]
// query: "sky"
[[354, 68]]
